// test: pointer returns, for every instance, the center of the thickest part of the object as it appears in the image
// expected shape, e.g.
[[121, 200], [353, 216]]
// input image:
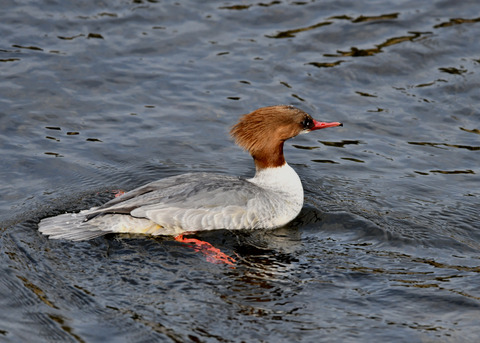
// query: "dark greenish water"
[[100, 96]]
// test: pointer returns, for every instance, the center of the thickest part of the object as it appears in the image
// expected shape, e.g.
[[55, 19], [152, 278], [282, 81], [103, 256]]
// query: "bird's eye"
[[307, 123]]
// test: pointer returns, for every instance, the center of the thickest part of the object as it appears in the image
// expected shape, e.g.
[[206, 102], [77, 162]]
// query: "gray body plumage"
[[188, 202]]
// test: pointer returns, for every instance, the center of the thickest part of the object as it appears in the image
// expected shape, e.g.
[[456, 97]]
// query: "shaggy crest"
[[263, 131]]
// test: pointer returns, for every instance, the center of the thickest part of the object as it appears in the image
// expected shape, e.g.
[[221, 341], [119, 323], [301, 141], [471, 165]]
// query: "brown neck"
[[271, 159]]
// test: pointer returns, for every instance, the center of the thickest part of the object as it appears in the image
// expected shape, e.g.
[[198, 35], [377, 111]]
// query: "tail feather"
[[71, 226], [77, 226]]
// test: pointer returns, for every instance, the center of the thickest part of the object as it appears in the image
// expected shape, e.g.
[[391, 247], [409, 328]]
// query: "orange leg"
[[212, 254], [118, 192]]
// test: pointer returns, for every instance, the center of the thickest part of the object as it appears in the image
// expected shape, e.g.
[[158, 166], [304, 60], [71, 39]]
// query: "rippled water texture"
[[97, 97]]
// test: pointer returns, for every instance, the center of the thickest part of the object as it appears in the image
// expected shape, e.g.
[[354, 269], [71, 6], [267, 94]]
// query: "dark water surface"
[[99, 96]]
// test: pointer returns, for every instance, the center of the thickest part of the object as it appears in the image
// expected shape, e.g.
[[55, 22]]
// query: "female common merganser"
[[205, 201]]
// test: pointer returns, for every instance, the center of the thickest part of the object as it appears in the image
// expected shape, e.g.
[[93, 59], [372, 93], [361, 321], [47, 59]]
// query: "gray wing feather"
[[171, 200]]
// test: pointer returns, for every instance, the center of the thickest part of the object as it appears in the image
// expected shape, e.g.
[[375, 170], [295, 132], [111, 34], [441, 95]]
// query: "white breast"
[[286, 191]]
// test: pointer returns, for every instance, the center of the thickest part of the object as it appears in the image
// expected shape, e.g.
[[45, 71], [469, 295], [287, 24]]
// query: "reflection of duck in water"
[[205, 201]]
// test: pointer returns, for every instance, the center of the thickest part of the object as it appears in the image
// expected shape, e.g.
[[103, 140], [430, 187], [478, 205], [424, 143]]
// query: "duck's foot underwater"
[[212, 254]]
